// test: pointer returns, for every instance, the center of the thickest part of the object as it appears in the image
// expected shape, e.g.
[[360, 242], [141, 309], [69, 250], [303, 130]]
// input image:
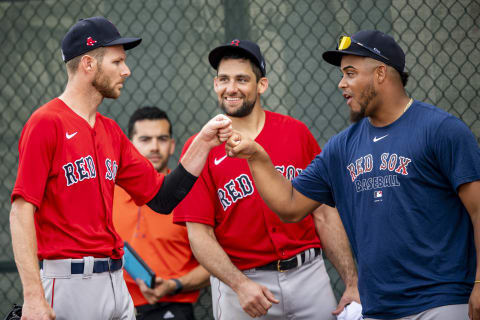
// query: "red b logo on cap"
[[235, 42], [90, 41]]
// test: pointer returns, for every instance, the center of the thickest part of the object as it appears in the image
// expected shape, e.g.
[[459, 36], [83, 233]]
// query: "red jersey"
[[162, 244], [225, 197], [68, 170]]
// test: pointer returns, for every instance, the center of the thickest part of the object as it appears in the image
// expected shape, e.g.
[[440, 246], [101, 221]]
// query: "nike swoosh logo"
[[217, 161], [375, 139], [70, 136]]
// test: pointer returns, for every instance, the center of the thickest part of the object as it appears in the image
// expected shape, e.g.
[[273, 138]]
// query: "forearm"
[[212, 257], [475, 218], [175, 187], [335, 243], [24, 244], [274, 189], [196, 279], [468, 193], [196, 155], [277, 191]]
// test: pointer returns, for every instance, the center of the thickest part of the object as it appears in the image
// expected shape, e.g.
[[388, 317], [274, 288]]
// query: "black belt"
[[99, 266], [144, 308], [284, 265]]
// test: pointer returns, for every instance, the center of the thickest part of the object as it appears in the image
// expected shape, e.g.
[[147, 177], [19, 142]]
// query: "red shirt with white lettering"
[[68, 170], [225, 197]]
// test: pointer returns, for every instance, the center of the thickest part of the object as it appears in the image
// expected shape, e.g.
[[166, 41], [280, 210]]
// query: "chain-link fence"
[[170, 68]]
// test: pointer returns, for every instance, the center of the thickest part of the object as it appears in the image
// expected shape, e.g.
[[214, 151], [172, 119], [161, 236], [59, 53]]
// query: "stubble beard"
[[162, 166], [104, 86], [366, 98], [245, 109]]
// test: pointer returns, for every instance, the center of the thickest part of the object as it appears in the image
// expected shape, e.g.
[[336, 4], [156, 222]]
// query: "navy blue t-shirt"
[[396, 190]]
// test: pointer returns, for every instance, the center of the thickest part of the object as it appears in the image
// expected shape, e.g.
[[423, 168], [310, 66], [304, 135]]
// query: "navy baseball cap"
[[91, 33], [249, 48], [368, 43]]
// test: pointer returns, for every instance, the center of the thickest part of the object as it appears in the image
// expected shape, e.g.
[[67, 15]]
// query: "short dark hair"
[[147, 113], [404, 76], [239, 55]]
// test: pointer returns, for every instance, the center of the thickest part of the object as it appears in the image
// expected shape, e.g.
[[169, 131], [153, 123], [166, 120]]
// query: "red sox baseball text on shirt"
[[388, 162], [84, 168], [242, 187]]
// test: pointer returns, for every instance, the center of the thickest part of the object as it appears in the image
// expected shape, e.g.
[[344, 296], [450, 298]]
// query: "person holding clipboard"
[[156, 250]]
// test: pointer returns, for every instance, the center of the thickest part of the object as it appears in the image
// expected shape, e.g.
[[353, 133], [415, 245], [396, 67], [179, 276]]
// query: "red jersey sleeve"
[[136, 174], [188, 209], [35, 152]]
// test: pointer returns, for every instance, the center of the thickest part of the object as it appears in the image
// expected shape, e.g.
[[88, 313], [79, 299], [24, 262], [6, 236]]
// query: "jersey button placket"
[[100, 171]]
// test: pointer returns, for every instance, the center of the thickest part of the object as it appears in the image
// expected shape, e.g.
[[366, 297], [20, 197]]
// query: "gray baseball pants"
[[85, 296], [304, 292]]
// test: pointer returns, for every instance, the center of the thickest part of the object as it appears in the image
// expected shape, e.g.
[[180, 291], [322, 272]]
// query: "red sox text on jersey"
[[84, 168], [388, 162]]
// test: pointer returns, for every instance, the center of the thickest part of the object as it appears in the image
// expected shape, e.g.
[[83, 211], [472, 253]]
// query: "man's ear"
[[88, 63], [172, 146], [381, 73], [262, 85]]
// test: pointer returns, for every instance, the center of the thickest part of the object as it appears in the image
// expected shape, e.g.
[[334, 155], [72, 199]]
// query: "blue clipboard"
[[136, 267]]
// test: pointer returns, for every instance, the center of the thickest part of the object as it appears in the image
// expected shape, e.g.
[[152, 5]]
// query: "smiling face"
[[111, 72], [237, 87], [152, 139], [358, 87]]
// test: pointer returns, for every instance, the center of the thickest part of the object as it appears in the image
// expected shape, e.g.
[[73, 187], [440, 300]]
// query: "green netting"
[[170, 67]]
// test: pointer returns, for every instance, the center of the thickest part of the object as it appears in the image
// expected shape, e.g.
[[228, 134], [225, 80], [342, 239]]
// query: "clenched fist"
[[216, 131], [238, 146]]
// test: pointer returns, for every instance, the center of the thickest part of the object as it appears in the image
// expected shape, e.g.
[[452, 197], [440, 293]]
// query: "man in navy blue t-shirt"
[[405, 178]]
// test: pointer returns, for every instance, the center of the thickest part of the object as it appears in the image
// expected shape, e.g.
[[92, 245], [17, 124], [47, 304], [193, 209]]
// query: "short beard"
[[103, 85], [162, 167], [367, 96], [244, 110]]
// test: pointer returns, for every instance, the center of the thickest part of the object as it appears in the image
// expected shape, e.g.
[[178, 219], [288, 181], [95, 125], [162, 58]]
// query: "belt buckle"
[[279, 269]]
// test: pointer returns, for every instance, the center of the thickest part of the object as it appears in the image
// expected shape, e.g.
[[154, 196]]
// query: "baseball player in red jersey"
[[70, 158], [261, 266]]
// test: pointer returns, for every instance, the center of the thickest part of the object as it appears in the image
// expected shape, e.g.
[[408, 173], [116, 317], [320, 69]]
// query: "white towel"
[[352, 311]]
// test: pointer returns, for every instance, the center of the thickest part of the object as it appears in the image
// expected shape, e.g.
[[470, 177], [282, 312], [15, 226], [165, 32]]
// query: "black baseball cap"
[[368, 43], [249, 48], [91, 33]]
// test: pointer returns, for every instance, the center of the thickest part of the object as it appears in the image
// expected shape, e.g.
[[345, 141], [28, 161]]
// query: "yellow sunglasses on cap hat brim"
[[345, 42]]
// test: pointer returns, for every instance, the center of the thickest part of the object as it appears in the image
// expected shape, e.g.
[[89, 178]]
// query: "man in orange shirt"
[[163, 245]]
